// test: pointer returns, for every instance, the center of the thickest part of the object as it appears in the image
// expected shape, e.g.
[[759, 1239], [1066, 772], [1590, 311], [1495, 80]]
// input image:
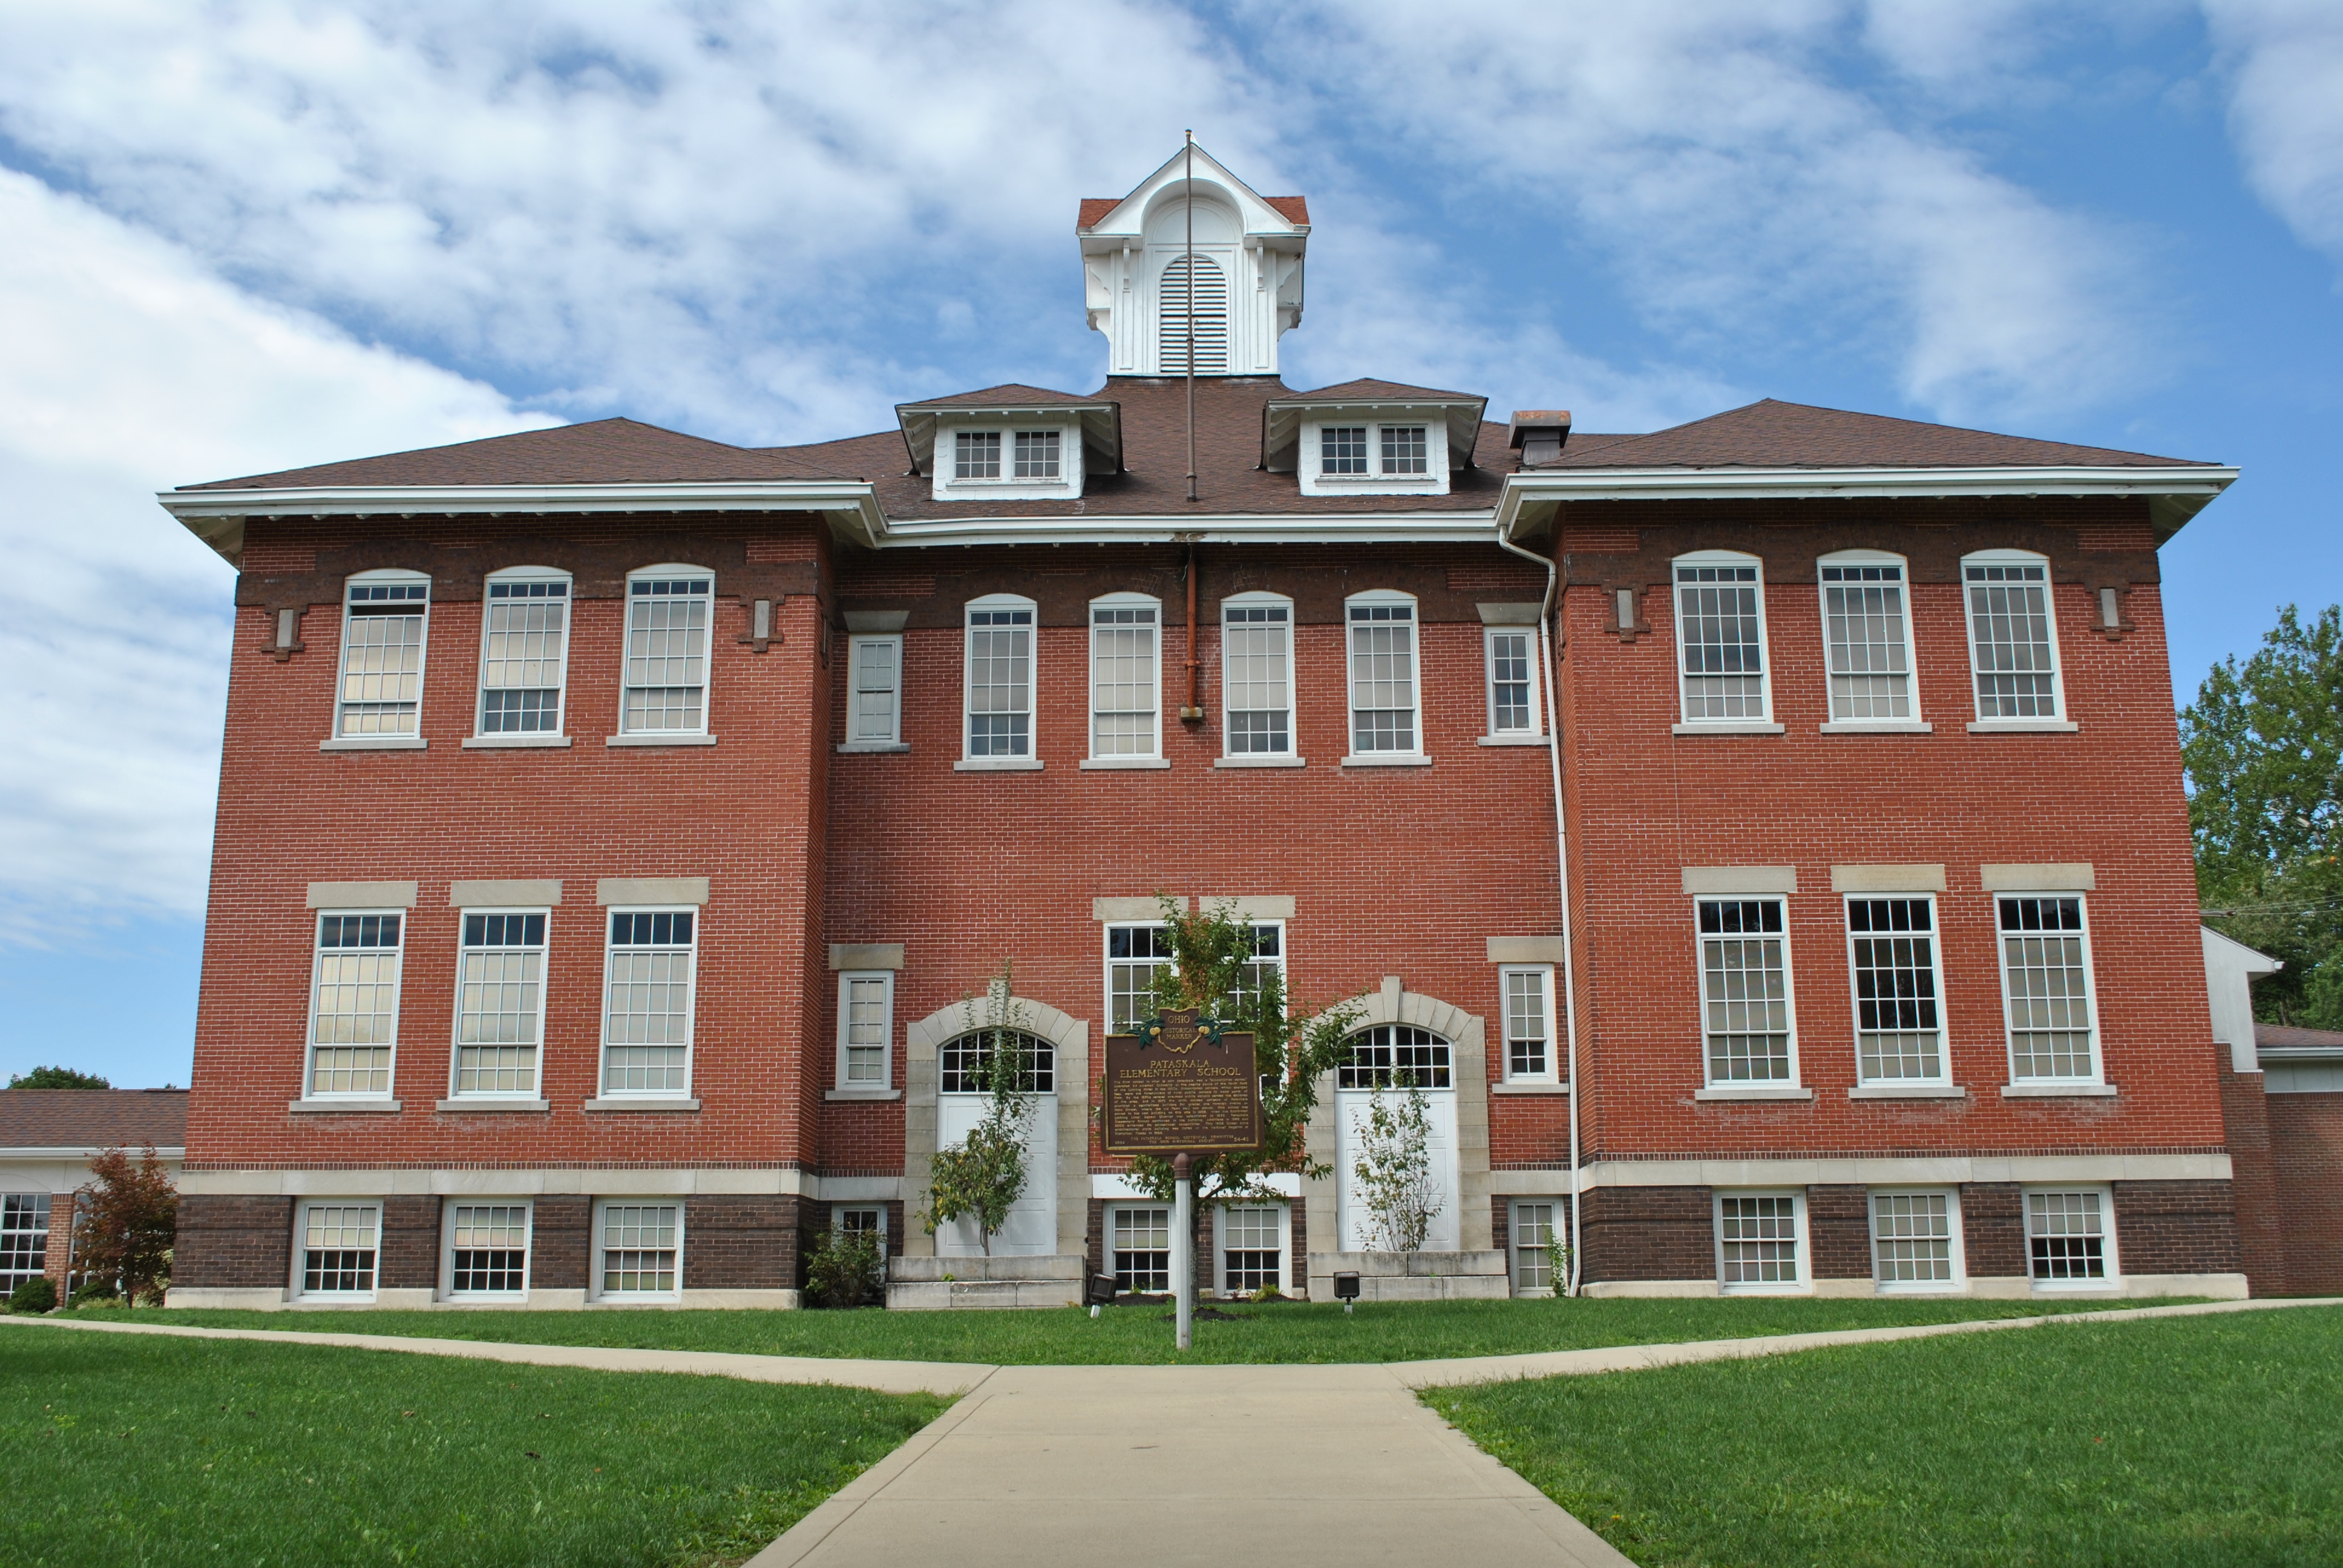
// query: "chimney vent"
[[1538, 434]]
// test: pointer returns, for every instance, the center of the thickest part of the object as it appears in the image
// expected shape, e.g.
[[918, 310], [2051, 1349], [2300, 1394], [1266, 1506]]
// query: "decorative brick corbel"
[[1628, 626], [763, 632], [285, 631], [2108, 597]]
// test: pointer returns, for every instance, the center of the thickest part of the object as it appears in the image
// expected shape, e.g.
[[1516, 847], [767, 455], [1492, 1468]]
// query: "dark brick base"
[[741, 1242], [234, 1243], [1647, 1234], [409, 1259], [2307, 1150], [1839, 1227], [2176, 1228], [561, 1232]]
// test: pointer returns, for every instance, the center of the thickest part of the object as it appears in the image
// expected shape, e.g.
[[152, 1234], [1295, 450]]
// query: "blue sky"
[[244, 236]]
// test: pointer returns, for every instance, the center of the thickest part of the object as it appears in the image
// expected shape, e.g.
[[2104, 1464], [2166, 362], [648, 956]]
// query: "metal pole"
[[1183, 1253], [1189, 261]]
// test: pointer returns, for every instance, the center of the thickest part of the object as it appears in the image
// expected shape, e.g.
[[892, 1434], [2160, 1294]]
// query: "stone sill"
[[1387, 759], [638, 1104], [373, 743], [870, 1094], [998, 765], [1261, 760], [1730, 727], [1529, 1089], [1114, 764], [1875, 726], [382, 1106], [2058, 1092], [873, 748], [1511, 740], [1907, 1092], [2023, 726], [653, 738], [502, 742], [467, 1105], [1765, 1092]]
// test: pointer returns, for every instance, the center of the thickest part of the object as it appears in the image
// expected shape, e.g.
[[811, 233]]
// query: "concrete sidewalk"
[[1049, 1466]]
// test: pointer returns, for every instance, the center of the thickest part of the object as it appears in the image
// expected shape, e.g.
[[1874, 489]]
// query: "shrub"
[[125, 1222], [34, 1295], [94, 1293], [846, 1271]]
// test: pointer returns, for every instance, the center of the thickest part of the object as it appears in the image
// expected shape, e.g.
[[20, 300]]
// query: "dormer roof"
[[1101, 419], [1281, 417]]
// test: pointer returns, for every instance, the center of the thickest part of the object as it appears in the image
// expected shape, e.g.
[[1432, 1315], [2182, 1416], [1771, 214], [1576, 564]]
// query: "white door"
[[1377, 1054], [1032, 1227]]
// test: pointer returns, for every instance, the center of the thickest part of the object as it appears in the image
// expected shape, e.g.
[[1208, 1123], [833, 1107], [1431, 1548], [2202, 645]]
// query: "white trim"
[[531, 1098], [560, 734], [2015, 1087], [1790, 1088], [857, 645], [886, 1079], [2113, 1278], [294, 1291], [1289, 755], [1535, 734], [1413, 755], [943, 461], [335, 740], [309, 1042], [594, 1290], [1760, 723], [705, 734], [1915, 720], [1958, 1284], [2058, 719], [447, 1291], [1942, 1080], [605, 1097], [1031, 756], [1153, 755], [1804, 1283], [1310, 463], [1551, 1076]]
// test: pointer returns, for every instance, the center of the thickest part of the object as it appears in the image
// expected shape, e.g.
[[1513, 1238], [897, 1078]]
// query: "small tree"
[[847, 1270], [57, 1078], [1394, 1169], [985, 1173], [125, 1222]]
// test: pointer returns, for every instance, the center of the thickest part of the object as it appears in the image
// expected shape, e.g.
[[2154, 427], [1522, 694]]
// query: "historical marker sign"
[[1175, 1089]]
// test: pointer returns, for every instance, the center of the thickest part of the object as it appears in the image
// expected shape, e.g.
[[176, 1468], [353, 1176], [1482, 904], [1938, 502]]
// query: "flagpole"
[[1190, 203]]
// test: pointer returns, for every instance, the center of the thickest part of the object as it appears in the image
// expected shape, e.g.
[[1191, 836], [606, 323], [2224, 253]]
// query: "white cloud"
[[128, 368], [2284, 63]]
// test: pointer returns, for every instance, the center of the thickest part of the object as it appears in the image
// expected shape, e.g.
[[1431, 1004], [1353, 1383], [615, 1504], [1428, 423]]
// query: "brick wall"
[[56, 1261], [741, 1241], [2262, 1237], [2307, 1150], [1648, 1233], [1993, 1229], [561, 1242], [2176, 1228], [409, 1256], [234, 1243], [1839, 1225]]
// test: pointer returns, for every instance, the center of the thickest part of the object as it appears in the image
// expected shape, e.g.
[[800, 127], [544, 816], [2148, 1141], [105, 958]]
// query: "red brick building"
[[615, 825]]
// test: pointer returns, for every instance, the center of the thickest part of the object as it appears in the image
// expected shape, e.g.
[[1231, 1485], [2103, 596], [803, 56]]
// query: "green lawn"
[[2185, 1441], [152, 1451], [1292, 1332]]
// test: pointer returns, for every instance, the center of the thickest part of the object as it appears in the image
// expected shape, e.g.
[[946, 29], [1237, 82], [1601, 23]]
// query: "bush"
[[34, 1295], [95, 1293], [846, 1271]]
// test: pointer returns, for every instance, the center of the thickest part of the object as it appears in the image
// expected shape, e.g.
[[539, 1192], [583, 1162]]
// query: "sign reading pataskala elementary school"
[[1177, 1087]]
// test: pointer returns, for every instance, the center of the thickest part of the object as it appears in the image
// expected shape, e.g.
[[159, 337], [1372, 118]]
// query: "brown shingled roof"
[[1776, 435], [93, 1118], [1369, 391], [600, 452], [2286, 1036], [1008, 395], [1293, 209]]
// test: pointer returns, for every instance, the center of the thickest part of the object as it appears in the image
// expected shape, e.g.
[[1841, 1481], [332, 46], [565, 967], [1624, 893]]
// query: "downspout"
[[1546, 609]]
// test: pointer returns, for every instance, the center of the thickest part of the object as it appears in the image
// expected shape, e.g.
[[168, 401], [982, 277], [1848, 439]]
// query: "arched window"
[[959, 1065], [1393, 1055], [1208, 289]]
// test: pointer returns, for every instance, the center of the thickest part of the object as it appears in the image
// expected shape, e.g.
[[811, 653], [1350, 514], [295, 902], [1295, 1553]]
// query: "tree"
[[1213, 971], [985, 1173], [1394, 1169], [2262, 744], [125, 1222], [57, 1078]]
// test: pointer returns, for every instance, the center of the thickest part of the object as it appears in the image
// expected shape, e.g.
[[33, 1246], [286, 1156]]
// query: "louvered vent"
[[1212, 296]]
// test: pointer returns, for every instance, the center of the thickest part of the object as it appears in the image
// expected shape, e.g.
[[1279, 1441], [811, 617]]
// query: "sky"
[[243, 236]]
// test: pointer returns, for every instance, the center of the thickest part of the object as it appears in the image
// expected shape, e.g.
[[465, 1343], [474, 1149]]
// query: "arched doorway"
[[961, 1102], [1387, 1056]]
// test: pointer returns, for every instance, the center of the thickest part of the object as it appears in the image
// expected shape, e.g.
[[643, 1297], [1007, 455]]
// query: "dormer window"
[[1405, 449], [1343, 449], [1355, 456], [1008, 456], [1037, 454], [977, 455]]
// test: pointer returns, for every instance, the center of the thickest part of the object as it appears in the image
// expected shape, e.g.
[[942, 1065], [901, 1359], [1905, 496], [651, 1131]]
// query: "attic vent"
[[1212, 296]]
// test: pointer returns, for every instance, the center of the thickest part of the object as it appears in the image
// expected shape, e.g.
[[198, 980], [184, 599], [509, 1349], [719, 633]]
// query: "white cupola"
[[1242, 271]]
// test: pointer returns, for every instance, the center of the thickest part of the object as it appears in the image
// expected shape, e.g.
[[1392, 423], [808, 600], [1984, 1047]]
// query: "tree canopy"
[[57, 1078], [2262, 744]]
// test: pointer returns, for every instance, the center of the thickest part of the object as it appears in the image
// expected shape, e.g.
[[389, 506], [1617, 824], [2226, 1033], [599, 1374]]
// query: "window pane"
[[638, 1248], [876, 672], [2065, 1236], [1724, 656], [1343, 449], [1383, 677], [382, 658], [976, 455], [1912, 1237], [961, 1064], [501, 974], [488, 1248], [1759, 1238], [667, 655], [1532, 1237], [1037, 454], [1405, 449], [337, 1248], [866, 1031], [1396, 1055], [1744, 991], [354, 1014], [24, 1237], [1862, 616], [1897, 1033], [1509, 682], [1249, 1251], [647, 1018], [1000, 682], [1256, 663], [520, 657], [2009, 628], [2049, 988], [1142, 1248], [1526, 1025], [1123, 683]]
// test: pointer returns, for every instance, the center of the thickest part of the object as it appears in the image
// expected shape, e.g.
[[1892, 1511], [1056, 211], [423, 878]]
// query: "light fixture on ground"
[[1100, 1293], [1346, 1290]]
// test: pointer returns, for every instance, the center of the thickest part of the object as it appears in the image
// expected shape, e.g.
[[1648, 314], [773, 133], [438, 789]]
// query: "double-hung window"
[[1001, 679], [875, 692], [668, 617], [1383, 718], [1251, 1238], [1257, 676], [1532, 1238], [2069, 1237], [1721, 639], [1139, 1245], [1916, 1241], [488, 1250], [1744, 979], [1900, 1031], [524, 652], [639, 1250], [383, 617], [1867, 639], [1761, 1241], [1135, 954], [646, 1016], [1512, 656], [2046, 976], [338, 1246], [866, 1027], [354, 1005], [24, 1237], [499, 1002], [1126, 682], [1530, 1056], [2013, 637]]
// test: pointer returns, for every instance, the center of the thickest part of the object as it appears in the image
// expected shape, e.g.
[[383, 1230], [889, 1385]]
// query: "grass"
[[1290, 1331], [153, 1451], [2207, 1441]]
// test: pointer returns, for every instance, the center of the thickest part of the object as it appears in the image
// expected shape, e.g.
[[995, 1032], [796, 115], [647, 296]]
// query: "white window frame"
[[1804, 1283], [1529, 635], [1685, 722], [300, 1251], [1029, 757], [2059, 718], [2099, 1073], [559, 732], [668, 571], [602, 1206], [1796, 1079], [343, 736], [1286, 1284], [1171, 1232], [309, 1028], [1310, 461], [1514, 1245], [2113, 1278], [691, 1006], [946, 485], [1291, 753], [857, 648], [456, 1028], [1833, 723], [447, 1291], [1543, 975], [1956, 1244], [1153, 755], [1353, 755], [1943, 1075], [873, 1205], [1107, 961], [846, 980]]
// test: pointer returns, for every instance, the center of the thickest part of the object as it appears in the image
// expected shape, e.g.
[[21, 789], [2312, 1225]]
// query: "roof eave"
[[1101, 421], [1281, 420]]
